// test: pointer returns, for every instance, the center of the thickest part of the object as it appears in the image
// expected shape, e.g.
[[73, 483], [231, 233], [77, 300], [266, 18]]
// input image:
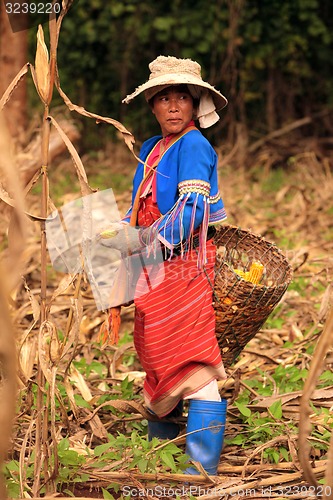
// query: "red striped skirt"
[[174, 328]]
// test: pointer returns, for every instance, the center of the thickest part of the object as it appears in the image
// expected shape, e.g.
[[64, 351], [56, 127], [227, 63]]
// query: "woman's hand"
[[122, 237]]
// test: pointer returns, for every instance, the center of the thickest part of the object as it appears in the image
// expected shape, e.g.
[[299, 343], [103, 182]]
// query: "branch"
[[286, 129]]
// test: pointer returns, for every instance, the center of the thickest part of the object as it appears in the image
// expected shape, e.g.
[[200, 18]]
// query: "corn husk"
[[42, 67]]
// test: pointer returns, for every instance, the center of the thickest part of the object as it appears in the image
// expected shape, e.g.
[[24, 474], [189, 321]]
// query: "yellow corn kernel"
[[240, 273], [108, 233], [254, 275], [256, 272], [243, 274]]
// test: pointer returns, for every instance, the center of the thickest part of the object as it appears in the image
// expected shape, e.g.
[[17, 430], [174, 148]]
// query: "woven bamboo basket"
[[241, 307]]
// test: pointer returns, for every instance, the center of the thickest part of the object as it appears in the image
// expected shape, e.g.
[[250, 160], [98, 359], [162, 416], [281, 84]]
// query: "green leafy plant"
[[130, 452]]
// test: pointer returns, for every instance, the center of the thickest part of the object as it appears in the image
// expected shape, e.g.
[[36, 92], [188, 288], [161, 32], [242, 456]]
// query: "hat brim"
[[177, 79]]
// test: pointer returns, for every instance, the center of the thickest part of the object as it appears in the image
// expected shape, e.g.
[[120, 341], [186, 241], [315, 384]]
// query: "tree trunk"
[[13, 56], [270, 101]]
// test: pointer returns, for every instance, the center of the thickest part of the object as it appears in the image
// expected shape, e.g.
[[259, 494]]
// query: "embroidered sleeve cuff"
[[214, 199], [194, 186], [217, 217]]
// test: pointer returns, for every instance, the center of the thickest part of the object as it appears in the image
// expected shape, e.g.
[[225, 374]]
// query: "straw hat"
[[168, 70]]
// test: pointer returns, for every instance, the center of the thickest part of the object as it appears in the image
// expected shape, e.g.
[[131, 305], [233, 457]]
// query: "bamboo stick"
[[324, 343], [260, 487], [263, 484], [108, 476]]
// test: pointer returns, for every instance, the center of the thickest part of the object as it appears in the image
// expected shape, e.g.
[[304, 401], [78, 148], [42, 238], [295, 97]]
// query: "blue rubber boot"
[[166, 430], [207, 419]]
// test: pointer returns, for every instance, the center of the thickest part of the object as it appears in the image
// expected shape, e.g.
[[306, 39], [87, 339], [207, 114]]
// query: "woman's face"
[[173, 108]]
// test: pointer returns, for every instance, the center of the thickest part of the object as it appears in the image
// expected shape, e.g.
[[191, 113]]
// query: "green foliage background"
[[272, 59]]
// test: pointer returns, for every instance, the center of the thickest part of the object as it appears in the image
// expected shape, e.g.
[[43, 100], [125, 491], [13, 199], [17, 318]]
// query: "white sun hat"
[[168, 70]]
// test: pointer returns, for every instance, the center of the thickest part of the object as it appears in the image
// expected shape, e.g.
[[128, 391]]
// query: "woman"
[[175, 195]]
